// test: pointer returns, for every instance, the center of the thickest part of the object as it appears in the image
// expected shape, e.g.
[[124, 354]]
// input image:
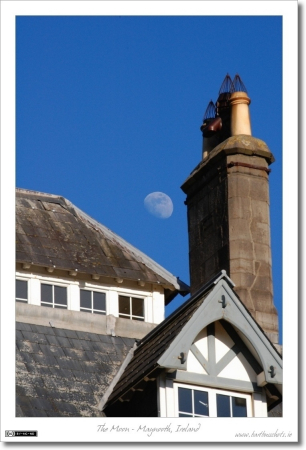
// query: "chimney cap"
[[238, 85], [230, 86], [226, 85], [210, 112]]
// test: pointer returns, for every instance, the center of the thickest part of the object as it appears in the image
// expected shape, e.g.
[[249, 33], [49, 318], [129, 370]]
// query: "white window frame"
[[52, 283], [92, 290], [212, 398], [153, 302], [131, 316], [22, 300]]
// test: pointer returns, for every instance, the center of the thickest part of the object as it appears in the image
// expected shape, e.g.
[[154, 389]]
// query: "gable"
[[210, 340], [222, 304]]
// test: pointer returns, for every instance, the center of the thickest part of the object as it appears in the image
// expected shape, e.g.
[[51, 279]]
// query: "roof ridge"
[[30, 191]]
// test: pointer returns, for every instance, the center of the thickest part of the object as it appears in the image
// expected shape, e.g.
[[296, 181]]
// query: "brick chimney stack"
[[228, 207]]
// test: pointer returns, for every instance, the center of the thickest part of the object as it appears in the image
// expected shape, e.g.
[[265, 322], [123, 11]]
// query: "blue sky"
[[109, 110]]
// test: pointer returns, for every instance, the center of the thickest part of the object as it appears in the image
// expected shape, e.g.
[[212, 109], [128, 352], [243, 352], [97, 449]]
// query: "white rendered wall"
[[153, 300], [201, 343], [161, 397], [193, 364], [158, 306], [222, 341], [260, 405], [74, 297], [34, 291], [112, 303]]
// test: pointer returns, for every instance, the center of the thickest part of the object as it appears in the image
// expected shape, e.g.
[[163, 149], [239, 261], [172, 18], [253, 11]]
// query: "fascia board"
[[235, 313]]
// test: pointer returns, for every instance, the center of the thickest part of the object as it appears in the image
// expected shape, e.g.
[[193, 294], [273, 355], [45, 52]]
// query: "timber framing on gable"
[[214, 368], [222, 304]]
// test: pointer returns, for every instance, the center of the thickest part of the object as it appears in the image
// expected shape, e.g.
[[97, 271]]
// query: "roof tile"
[[33, 337], [70, 383], [23, 326]]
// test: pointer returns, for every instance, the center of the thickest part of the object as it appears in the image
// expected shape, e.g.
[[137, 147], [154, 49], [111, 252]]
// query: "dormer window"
[[53, 296], [21, 291], [92, 301], [131, 307]]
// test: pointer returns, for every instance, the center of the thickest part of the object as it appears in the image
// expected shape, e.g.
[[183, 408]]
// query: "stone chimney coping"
[[241, 144]]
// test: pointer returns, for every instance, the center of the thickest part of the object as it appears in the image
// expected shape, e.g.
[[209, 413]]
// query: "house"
[[208, 359], [83, 297], [92, 338]]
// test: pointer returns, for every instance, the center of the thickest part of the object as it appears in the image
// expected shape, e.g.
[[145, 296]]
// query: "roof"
[[53, 233], [62, 372], [155, 343], [174, 336]]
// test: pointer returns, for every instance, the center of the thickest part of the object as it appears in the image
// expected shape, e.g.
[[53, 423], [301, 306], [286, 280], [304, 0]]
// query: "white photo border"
[[70, 429]]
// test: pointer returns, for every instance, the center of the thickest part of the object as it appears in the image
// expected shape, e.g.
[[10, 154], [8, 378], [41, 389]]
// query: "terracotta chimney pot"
[[240, 114]]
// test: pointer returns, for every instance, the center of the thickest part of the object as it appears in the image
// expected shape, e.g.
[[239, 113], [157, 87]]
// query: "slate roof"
[[51, 231], [63, 372]]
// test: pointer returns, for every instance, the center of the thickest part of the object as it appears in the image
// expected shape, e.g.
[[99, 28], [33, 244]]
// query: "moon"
[[159, 205]]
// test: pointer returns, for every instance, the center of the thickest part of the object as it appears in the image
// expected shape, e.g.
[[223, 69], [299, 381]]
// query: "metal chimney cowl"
[[229, 116]]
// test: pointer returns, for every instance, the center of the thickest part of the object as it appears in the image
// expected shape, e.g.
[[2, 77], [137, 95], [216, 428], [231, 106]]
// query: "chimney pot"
[[240, 114]]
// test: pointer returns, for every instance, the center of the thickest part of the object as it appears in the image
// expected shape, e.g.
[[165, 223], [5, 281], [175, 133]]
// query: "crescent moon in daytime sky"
[[159, 205]]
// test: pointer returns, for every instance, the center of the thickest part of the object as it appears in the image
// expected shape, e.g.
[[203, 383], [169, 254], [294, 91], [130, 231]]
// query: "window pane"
[[137, 307], [85, 299], [99, 301], [86, 310], [49, 305], [223, 406], [60, 295], [124, 305], [239, 407], [185, 400], [21, 289], [46, 293], [201, 403]]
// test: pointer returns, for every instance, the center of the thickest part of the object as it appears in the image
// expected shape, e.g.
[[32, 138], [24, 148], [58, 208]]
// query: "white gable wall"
[[222, 342], [202, 365], [194, 366], [201, 343]]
